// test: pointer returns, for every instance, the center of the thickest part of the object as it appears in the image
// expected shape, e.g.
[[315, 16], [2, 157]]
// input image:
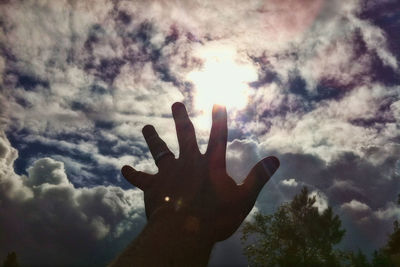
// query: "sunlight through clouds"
[[223, 78]]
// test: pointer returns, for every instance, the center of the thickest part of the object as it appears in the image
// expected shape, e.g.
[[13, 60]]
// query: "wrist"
[[170, 238], [181, 237]]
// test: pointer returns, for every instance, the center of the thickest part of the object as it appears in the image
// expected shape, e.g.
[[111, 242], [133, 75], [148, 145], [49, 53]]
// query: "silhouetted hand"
[[196, 187]]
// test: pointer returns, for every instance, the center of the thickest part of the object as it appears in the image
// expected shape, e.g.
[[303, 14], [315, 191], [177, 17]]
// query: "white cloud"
[[391, 211], [345, 185], [10, 184], [395, 107], [252, 213], [290, 182], [47, 171], [320, 35], [355, 205], [321, 200], [328, 130]]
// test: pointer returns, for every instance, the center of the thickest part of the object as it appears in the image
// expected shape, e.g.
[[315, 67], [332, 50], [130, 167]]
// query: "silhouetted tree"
[[11, 260], [389, 255], [392, 247], [381, 259], [295, 235], [358, 260]]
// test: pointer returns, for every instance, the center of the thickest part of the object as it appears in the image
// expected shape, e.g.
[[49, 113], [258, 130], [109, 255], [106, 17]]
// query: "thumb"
[[258, 176], [137, 178]]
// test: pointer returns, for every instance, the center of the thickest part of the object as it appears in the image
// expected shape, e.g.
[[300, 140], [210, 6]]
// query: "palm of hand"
[[207, 195], [197, 185]]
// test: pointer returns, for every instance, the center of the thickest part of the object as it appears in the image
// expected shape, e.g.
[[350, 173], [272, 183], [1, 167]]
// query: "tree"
[[358, 260], [295, 235], [11, 260], [389, 255], [393, 245], [381, 259]]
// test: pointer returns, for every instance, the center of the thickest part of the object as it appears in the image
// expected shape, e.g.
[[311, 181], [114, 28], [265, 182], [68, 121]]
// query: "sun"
[[223, 78]]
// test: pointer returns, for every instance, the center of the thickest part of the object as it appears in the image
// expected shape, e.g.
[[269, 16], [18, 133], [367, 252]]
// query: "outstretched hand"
[[195, 186]]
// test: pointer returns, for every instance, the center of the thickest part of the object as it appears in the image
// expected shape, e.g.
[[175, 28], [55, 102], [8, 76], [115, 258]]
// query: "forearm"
[[167, 240]]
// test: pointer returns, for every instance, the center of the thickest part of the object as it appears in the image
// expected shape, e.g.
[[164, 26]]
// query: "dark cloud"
[[357, 190], [57, 224], [385, 14], [361, 192], [383, 73]]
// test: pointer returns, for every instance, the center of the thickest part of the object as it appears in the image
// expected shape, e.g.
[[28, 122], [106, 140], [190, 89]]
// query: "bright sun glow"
[[222, 79]]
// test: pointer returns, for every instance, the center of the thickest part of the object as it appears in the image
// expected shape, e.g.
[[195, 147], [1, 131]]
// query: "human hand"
[[196, 186]]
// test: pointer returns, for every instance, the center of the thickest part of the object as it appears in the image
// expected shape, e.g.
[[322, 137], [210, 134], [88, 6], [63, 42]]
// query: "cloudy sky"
[[314, 82]]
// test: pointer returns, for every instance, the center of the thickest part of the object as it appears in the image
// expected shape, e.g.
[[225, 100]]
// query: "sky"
[[314, 82]]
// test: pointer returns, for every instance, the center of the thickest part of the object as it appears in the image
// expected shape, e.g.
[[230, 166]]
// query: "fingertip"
[[263, 171], [177, 107], [148, 130], [134, 177], [218, 106], [274, 161], [218, 110], [270, 165], [127, 171], [219, 113]]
